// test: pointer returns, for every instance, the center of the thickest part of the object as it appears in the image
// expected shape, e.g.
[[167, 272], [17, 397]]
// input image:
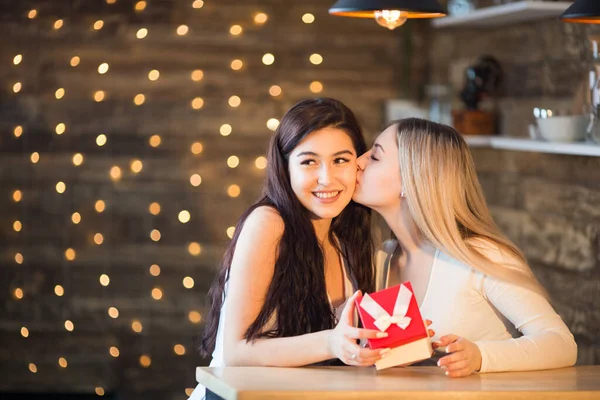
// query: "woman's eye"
[[341, 160], [373, 158], [308, 162]]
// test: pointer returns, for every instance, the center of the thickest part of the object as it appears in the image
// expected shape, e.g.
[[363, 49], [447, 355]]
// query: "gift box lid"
[[397, 336]]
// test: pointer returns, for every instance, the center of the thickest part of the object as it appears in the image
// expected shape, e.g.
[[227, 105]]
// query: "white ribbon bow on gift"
[[383, 319]]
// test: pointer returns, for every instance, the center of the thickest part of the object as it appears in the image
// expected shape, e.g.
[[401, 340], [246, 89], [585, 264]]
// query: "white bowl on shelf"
[[563, 128]]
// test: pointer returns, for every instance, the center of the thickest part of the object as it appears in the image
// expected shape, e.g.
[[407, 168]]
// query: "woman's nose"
[[361, 161]]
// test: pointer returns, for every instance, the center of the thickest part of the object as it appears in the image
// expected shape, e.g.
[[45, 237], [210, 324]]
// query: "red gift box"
[[395, 311]]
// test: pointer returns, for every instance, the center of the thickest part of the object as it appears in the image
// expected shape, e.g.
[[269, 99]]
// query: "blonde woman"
[[489, 311]]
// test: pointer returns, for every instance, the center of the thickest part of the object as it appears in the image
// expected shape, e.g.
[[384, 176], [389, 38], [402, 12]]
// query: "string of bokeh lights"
[[136, 166]]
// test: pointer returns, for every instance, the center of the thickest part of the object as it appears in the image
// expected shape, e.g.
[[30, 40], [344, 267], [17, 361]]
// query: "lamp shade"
[[367, 8], [583, 11]]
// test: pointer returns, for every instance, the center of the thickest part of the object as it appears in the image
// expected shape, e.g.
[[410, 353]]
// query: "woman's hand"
[[342, 339], [465, 357]]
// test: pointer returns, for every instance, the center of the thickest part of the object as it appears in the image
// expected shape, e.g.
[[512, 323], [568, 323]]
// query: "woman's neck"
[[410, 239], [322, 229]]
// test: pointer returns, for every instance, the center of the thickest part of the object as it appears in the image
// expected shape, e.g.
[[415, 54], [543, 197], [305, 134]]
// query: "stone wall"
[[548, 204]]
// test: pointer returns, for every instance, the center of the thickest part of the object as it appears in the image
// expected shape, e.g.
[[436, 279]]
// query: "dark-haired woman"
[[300, 254]]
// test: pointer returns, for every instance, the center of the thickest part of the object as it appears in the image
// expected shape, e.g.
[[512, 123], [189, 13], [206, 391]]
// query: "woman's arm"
[[251, 273], [546, 342]]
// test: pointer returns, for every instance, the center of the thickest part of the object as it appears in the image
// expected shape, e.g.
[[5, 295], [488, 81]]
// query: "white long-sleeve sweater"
[[515, 328]]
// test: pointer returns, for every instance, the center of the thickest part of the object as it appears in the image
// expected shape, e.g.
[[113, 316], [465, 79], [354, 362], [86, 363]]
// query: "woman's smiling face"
[[323, 172]]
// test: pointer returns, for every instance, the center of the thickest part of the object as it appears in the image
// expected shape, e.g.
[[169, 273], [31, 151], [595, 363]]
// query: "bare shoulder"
[[264, 221], [257, 245]]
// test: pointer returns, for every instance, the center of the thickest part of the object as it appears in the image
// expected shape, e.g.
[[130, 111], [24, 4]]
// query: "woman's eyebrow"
[[379, 146], [312, 153]]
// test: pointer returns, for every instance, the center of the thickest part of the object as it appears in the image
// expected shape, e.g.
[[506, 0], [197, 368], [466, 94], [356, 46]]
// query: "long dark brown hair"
[[297, 295]]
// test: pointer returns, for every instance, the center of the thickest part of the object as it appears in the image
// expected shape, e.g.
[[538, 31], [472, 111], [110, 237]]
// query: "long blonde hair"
[[447, 204]]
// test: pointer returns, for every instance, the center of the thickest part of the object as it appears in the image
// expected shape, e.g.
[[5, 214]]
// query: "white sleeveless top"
[[217, 355]]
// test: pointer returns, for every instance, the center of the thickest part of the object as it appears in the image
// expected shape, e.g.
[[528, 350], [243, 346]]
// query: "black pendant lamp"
[[388, 13], [583, 11]]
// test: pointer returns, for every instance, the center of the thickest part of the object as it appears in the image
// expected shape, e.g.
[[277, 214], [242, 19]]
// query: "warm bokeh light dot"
[[103, 68], [260, 18], [18, 293], [260, 162], [154, 270], [70, 254], [33, 367], [35, 157], [155, 235], [113, 312], [316, 87], [233, 161], [62, 362], [184, 216], [196, 148], [18, 131], [19, 258], [141, 33], [76, 218], [136, 326], [197, 103], [195, 317], [194, 248], [275, 90], [236, 30], [197, 75], [236, 65], [100, 206], [75, 61], [182, 30], [115, 173], [272, 123], [104, 280], [155, 141], [98, 24], [268, 59], [17, 196], [225, 130], [101, 140], [61, 187], [60, 128], [230, 232], [316, 58], [154, 208], [69, 325], [145, 361], [157, 293], [153, 75], [77, 159], [179, 349], [114, 351], [308, 18], [235, 101], [59, 290], [188, 282], [136, 166], [233, 191], [195, 180], [17, 226], [60, 93], [24, 332]]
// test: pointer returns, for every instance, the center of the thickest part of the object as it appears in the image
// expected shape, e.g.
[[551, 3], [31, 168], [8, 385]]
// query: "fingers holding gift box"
[[395, 312], [342, 339], [465, 357]]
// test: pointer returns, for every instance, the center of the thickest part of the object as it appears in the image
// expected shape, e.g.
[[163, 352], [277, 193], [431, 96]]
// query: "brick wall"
[[361, 66]]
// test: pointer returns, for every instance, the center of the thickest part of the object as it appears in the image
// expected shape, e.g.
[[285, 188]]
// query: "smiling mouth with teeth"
[[327, 195]]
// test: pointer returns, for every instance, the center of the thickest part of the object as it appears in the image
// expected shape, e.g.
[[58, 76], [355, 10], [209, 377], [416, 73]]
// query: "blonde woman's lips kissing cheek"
[[327, 196]]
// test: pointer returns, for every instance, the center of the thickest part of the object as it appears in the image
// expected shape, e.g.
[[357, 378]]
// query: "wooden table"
[[418, 383]]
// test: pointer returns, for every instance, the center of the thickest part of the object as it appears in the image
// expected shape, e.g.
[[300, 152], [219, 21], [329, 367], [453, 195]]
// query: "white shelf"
[[505, 143], [505, 14]]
